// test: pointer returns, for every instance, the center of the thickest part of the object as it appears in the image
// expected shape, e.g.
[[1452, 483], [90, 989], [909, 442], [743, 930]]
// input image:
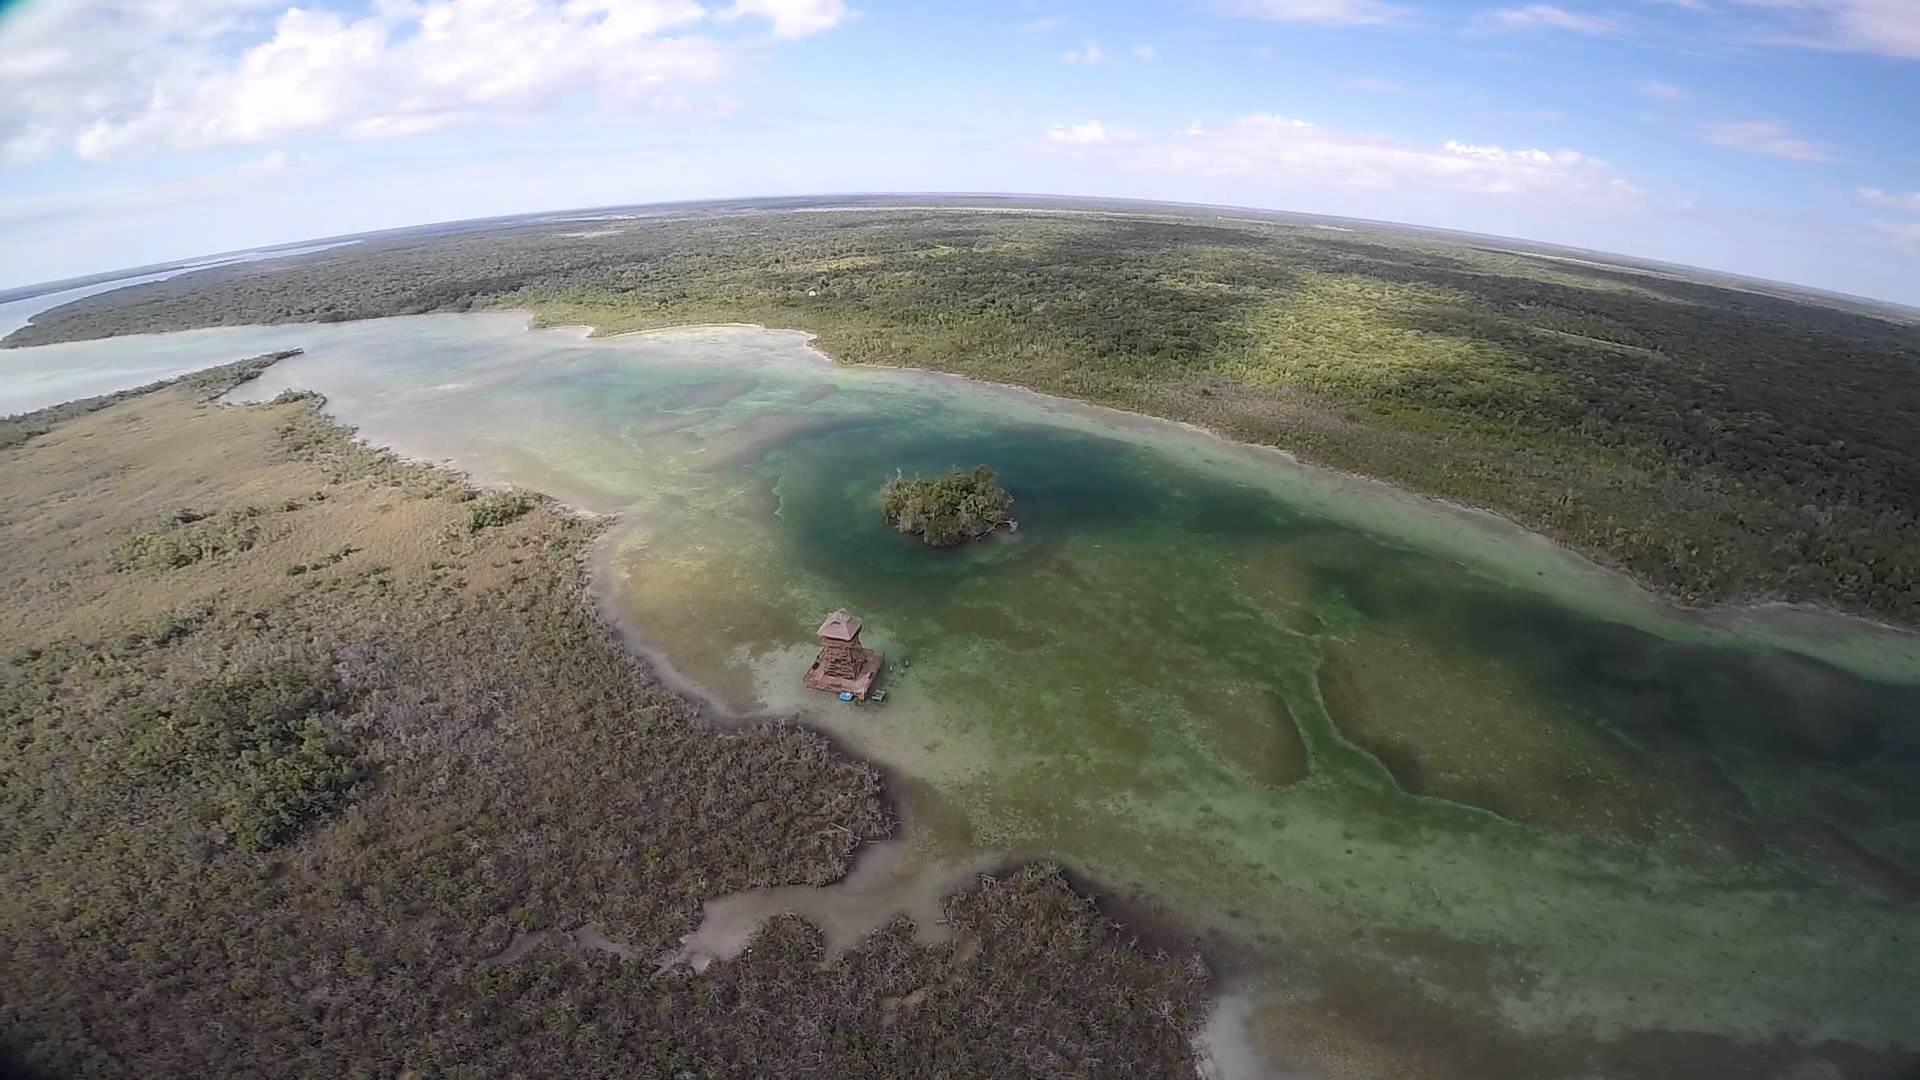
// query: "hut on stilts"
[[843, 667]]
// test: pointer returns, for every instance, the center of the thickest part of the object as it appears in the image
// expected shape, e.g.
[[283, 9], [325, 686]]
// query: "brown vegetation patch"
[[269, 813]]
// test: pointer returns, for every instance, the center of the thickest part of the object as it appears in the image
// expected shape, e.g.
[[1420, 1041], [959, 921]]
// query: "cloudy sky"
[[1779, 138]]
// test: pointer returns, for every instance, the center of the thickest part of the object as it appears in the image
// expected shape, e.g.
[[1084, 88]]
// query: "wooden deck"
[[859, 686]]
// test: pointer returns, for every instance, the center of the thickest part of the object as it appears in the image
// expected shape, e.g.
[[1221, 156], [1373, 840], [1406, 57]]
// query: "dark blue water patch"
[[1652, 689], [1062, 482], [1059, 481]]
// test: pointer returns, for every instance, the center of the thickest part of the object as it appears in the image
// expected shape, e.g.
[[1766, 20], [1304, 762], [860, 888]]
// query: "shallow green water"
[[1308, 715]]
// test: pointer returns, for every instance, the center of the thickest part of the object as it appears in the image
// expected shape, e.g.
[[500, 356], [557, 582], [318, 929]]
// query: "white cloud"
[[1898, 200], [1498, 154], [1144, 53], [1881, 27], [1086, 54], [1323, 12], [1764, 137], [1278, 151], [1660, 91], [790, 18], [244, 72], [1042, 25], [1904, 233], [1547, 17], [1087, 134]]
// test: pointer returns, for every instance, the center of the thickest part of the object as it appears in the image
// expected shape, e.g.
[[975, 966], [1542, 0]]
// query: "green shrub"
[[498, 508], [259, 743], [186, 538], [289, 777]]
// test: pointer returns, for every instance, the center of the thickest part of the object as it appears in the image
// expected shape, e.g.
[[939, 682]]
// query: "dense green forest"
[[1720, 443]]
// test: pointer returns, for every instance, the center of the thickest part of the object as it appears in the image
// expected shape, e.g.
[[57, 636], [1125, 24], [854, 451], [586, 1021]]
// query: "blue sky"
[[1768, 137]]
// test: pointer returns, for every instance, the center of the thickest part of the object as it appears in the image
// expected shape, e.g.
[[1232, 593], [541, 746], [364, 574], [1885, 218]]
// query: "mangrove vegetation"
[[949, 509]]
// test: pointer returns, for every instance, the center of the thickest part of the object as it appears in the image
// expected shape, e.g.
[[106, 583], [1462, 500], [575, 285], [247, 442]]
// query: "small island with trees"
[[947, 510]]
